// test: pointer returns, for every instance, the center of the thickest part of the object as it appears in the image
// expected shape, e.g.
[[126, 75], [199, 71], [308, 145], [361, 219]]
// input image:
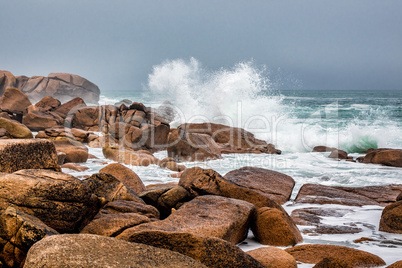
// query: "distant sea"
[[294, 121]]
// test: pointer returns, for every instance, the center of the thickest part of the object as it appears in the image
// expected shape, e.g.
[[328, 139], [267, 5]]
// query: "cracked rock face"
[[18, 232]]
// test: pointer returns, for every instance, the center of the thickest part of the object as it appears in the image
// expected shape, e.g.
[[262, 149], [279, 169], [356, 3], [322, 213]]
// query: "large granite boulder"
[[272, 257], [27, 154], [165, 197], [37, 120], [125, 175], [198, 181], [349, 196], [387, 157], [15, 129], [18, 232], [211, 251], [391, 218], [14, 101], [61, 86], [61, 201], [108, 188], [75, 151], [185, 146], [274, 227], [70, 107], [321, 194], [276, 185], [117, 216], [128, 156], [314, 253], [216, 216], [7, 80], [231, 139], [86, 250]]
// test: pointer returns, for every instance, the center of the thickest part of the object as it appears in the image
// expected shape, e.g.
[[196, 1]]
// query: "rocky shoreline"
[[111, 218]]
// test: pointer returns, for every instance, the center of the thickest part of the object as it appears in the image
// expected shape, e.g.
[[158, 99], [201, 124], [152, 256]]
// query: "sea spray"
[[244, 96], [240, 96]]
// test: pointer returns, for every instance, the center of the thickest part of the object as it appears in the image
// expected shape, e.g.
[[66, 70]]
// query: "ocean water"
[[294, 121]]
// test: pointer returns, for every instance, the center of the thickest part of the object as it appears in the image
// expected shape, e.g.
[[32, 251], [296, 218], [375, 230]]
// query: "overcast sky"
[[341, 44]]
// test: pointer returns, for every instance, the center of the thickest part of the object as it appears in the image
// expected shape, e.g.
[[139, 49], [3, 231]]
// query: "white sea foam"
[[242, 96]]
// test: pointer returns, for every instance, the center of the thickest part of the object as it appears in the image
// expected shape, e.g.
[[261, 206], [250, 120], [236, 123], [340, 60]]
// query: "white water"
[[241, 96]]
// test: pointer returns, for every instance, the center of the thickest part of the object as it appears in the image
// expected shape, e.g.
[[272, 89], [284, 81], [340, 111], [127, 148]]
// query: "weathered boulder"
[[48, 103], [61, 201], [15, 129], [108, 188], [86, 250], [331, 262], [75, 151], [216, 216], [231, 139], [27, 154], [323, 149], [7, 80], [125, 175], [387, 157], [391, 218], [274, 227], [165, 198], [276, 185], [321, 194], [185, 146], [211, 251], [70, 107], [129, 157], [314, 253], [14, 101], [61, 86], [338, 154], [198, 181], [382, 194], [272, 257], [119, 215], [87, 118], [37, 120], [18, 232]]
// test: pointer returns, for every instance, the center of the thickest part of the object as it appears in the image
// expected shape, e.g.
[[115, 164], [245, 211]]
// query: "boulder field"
[[47, 216]]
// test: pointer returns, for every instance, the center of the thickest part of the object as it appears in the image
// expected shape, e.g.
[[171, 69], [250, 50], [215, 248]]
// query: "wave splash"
[[243, 96], [240, 96]]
